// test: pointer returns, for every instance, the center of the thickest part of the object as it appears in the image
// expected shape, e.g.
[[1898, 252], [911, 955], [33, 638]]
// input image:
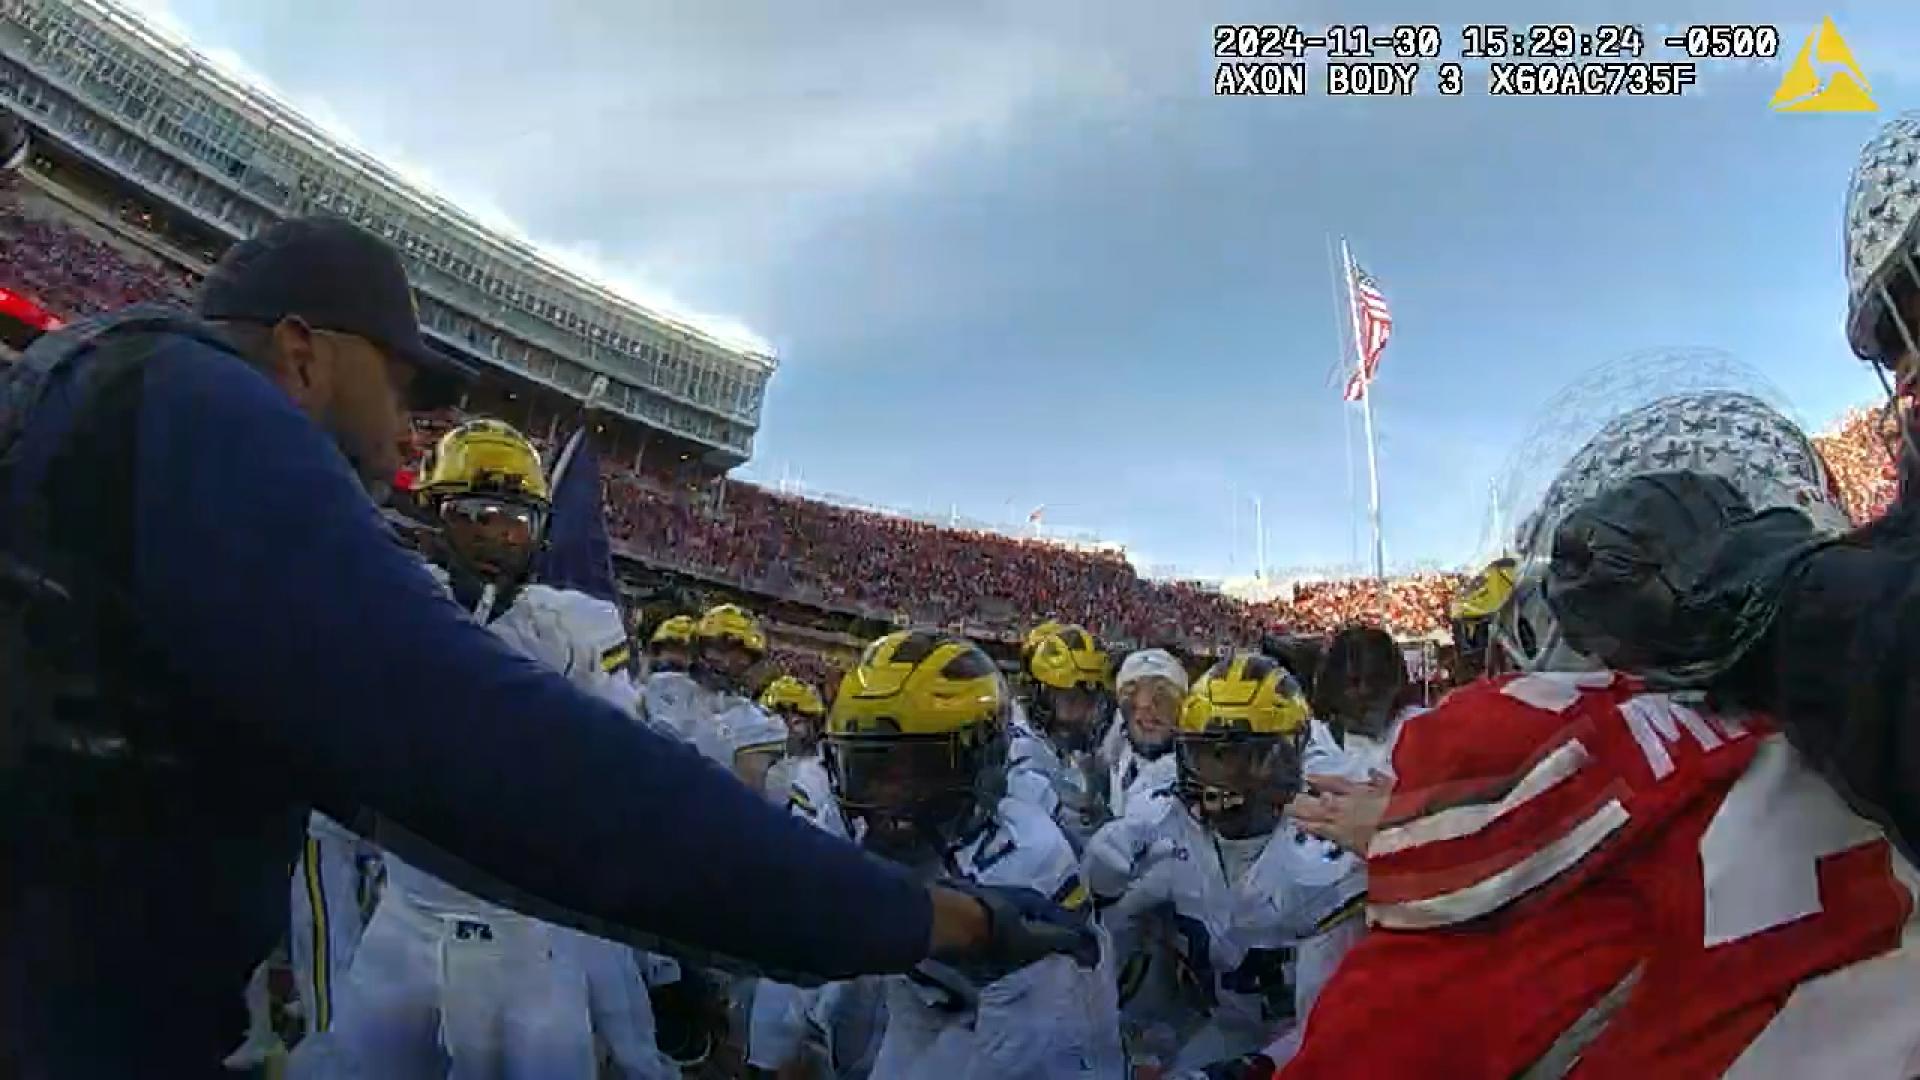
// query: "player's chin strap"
[[483, 598]]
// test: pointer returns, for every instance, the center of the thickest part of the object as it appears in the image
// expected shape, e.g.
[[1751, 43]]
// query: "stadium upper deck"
[[126, 99]]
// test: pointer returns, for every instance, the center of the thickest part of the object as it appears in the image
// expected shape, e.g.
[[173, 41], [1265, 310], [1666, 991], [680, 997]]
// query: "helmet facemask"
[[492, 538], [723, 663], [1236, 782], [803, 731], [914, 795], [1894, 346], [1070, 717], [670, 656]]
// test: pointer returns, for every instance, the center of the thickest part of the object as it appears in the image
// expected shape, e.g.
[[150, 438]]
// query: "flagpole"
[[1334, 275], [1366, 413], [1259, 540]]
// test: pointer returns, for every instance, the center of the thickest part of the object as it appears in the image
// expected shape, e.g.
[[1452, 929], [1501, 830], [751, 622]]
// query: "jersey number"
[[1262, 974], [1780, 807]]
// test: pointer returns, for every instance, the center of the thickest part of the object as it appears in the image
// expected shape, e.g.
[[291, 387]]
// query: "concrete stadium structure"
[[124, 112]]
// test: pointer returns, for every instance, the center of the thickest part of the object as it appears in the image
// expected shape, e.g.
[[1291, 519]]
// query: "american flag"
[[1374, 324]]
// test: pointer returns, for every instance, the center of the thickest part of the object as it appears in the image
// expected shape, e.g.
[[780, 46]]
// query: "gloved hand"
[[690, 1015], [1023, 926]]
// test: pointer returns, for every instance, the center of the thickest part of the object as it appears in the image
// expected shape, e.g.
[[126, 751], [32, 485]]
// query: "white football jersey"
[[573, 633], [1052, 1018], [810, 794], [737, 724], [1065, 787], [675, 703], [1256, 932], [843, 1020]]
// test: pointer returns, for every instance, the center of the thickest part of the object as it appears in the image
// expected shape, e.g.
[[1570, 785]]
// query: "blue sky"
[[1020, 255]]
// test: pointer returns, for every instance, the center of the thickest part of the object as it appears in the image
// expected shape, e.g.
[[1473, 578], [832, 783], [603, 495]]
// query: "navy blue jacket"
[[308, 660]]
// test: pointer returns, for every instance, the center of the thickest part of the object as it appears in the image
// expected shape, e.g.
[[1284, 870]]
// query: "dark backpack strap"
[[67, 620]]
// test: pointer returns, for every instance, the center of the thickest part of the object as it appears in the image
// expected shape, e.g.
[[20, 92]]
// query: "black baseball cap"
[[333, 275]]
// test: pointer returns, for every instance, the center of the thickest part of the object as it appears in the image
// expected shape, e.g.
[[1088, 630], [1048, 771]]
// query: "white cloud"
[[666, 151]]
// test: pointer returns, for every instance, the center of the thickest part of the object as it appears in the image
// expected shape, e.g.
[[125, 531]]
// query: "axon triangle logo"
[[1824, 77]]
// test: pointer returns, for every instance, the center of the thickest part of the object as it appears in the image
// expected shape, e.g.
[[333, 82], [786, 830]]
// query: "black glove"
[[690, 1016], [1250, 1067], [1023, 926]]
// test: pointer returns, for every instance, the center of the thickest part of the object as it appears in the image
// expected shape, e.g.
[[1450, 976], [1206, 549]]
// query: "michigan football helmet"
[[916, 742], [1242, 732], [727, 642], [731, 623], [670, 647], [1471, 616], [1072, 687], [677, 630], [1036, 635], [798, 706], [484, 482]]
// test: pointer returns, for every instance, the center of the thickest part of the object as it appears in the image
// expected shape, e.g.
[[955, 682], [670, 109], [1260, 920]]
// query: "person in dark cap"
[[324, 309], [206, 630]]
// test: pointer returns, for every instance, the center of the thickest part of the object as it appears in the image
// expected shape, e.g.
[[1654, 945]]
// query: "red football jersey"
[[1583, 877]]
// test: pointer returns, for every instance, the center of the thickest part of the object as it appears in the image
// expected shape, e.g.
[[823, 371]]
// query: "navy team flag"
[[578, 554]]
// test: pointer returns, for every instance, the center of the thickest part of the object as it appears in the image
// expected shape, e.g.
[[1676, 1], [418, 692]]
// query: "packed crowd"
[[904, 569], [986, 581], [1858, 452], [72, 274]]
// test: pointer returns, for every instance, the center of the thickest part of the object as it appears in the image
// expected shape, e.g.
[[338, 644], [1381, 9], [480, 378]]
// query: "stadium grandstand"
[[147, 161], [158, 134]]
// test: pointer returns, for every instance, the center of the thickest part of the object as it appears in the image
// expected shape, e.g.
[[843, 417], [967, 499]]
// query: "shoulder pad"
[[596, 623], [1516, 783], [1310, 860], [1027, 849], [744, 726], [1480, 731]]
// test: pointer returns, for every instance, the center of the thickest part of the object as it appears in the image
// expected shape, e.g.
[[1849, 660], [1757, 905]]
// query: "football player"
[[1138, 746], [1363, 694], [800, 778], [670, 648], [1471, 616], [837, 1026], [1051, 761], [444, 980], [1262, 912], [1649, 882], [727, 642], [916, 746]]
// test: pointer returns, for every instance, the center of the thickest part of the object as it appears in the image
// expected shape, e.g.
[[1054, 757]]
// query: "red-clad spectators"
[[1859, 454], [896, 568], [69, 273], [809, 667]]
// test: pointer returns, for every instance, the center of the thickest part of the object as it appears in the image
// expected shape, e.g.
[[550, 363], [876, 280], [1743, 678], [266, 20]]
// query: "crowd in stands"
[[73, 275], [893, 567], [1859, 454]]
